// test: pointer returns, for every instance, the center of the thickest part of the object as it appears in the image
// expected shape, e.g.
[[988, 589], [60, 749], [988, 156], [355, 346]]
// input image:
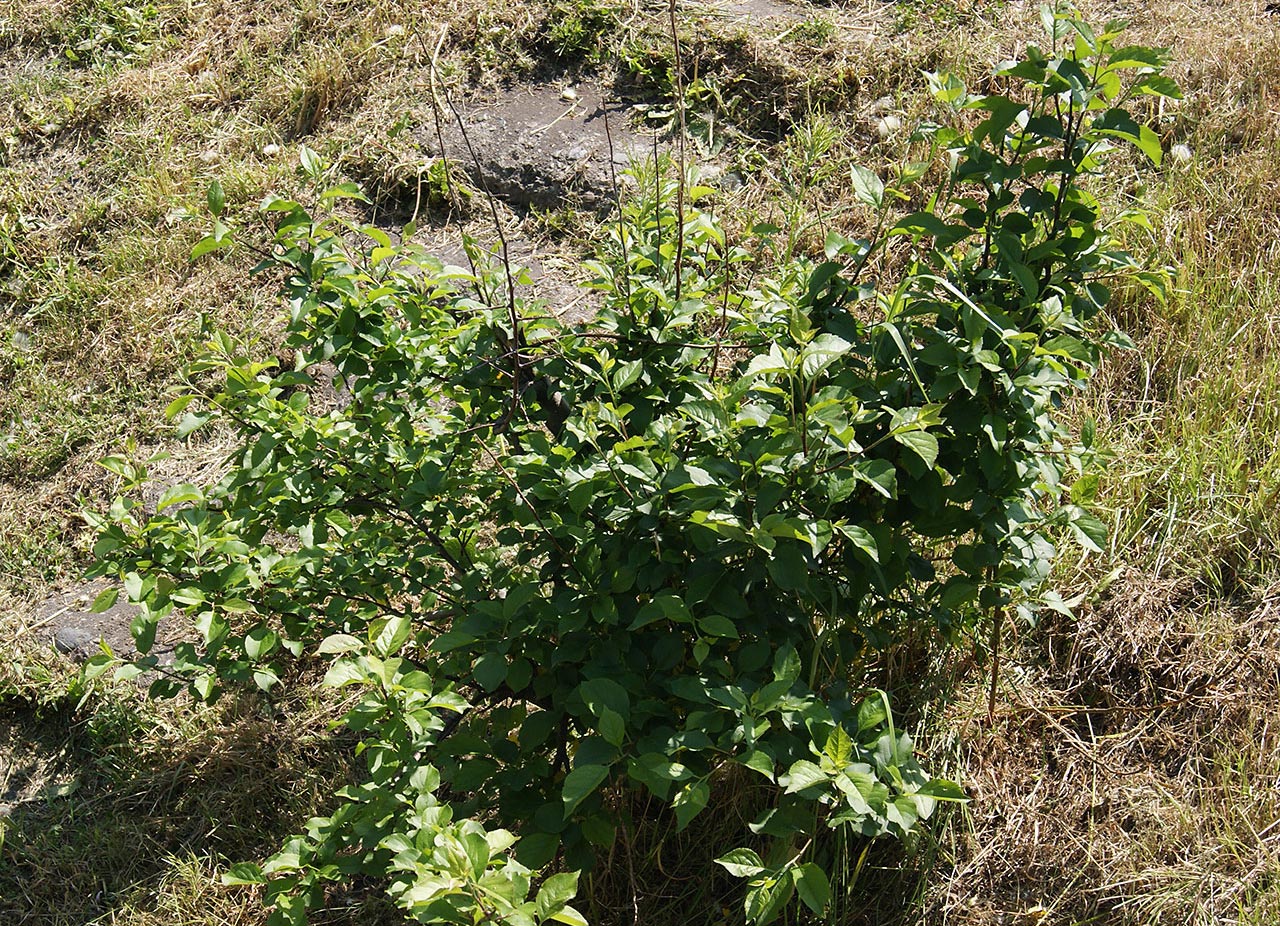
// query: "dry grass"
[[1130, 775], [128, 811]]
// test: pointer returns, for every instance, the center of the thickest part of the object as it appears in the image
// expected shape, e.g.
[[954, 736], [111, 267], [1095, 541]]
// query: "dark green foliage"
[[562, 561]]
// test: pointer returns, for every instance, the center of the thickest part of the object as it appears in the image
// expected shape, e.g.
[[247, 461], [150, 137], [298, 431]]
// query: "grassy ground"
[[1130, 772]]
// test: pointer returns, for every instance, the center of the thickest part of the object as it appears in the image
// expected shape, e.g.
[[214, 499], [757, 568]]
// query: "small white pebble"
[[888, 125], [1180, 153], [270, 151], [208, 157]]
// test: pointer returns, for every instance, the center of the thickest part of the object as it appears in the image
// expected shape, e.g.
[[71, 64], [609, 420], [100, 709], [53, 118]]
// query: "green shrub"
[[562, 562]]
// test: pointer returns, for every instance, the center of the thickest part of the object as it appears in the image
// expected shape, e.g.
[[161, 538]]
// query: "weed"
[[108, 33], [578, 31]]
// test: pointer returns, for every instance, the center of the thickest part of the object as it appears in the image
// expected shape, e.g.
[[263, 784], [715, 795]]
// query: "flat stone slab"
[[749, 11], [75, 631], [545, 145]]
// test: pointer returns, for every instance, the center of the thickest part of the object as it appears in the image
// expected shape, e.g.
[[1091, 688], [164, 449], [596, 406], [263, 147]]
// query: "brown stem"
[[679, 88], [996, 622]]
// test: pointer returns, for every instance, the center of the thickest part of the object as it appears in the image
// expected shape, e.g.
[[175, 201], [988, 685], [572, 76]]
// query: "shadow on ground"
[[124, 815]]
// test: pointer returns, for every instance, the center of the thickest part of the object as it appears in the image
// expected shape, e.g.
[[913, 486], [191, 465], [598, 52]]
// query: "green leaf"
[[476, 847], [289, 858], [942, 790], [690, 801], [1084, 489], [612, 727], [569, 916], [1137, 56], [839, 748], [656, 772], [393, 635], [665, 605], [580, 783], [243, 873], [344, 191], [626, 374], [604, 693], [344, 672], [338, 643], [1089, 531], [881, 475], [1158, 85], [555, 892], [867, 187], [536, 850], [759, 761], [812, 886], [946, 88], [786, 664], [862, 539], [209, 244], [741, 863], [1118, 340], [803, 774], [490, 670], [216, 198], [177, 406], [96, 665], [179, 495], [105, 600], [766, 899], [922, 444], [205, 686], [259, 641], [717, 625], [310, 162], [773, 362], [821, 352], [871, 714], [192, 421], [1117, 123], [919, 224], [127, 672]]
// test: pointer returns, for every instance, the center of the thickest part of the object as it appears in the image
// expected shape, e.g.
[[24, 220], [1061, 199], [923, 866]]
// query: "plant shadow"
[[111, 806]]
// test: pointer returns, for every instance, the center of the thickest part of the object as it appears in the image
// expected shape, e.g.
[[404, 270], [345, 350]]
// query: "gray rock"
[[541, 145], [77, 632], [748, 11]]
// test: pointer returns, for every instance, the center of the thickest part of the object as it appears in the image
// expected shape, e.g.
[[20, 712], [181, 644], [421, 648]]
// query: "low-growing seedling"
[[577, 30], [106, 33], [561, 563]]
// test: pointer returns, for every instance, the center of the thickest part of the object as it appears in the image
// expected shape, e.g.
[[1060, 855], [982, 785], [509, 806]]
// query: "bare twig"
[[517, 330], [617, 202], [680, 105]]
